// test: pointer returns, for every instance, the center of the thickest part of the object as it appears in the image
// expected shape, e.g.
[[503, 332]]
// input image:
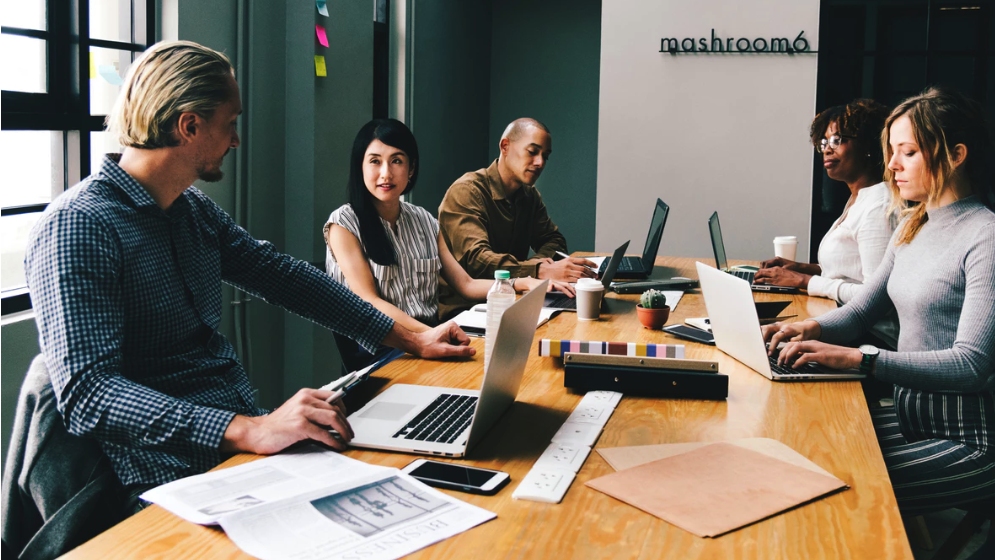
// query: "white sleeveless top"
[[412, 285]]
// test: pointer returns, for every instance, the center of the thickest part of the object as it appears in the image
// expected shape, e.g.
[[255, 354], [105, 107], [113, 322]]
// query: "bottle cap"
[[501, 275]]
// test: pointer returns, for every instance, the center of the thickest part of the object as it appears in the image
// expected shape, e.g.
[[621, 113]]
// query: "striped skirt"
[[936, 448]]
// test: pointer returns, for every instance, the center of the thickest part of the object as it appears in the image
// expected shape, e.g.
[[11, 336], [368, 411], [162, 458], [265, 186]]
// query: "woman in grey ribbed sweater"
[[939, 276]]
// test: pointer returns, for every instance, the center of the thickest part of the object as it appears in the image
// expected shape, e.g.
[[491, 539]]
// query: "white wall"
[[704, 132]]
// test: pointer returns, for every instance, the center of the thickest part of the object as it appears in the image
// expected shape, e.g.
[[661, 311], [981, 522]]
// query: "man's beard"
[[212, 175]]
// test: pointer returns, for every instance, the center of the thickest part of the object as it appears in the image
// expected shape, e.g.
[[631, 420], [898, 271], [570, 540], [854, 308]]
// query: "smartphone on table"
[[457, 477], [690, 333]]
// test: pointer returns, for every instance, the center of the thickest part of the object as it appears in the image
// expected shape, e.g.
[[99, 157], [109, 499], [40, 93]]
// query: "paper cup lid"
[[589, 285]]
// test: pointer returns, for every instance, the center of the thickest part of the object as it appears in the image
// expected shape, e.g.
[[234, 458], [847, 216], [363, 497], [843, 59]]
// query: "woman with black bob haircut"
[[939, 276], [849, 139], [389, 252]]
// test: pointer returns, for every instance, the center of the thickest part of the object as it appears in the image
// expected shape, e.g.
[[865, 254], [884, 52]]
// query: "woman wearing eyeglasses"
[[849, 139], [939, 275]]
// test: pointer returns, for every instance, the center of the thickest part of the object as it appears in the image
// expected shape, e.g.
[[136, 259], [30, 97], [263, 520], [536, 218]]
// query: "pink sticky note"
[[322, 38]]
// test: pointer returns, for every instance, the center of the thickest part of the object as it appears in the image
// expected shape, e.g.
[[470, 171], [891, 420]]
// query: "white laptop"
[[448, 422], [736, 327]]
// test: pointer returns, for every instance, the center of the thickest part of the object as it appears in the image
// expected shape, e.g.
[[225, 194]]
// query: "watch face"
[[869, 349]]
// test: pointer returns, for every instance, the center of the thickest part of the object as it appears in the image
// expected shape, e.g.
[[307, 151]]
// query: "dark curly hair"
[[863, 121]]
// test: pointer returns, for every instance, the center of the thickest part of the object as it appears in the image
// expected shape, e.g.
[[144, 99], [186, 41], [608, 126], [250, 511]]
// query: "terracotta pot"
[[653, 318]]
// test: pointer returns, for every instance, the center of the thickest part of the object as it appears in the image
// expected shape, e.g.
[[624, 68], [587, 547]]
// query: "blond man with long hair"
[[125, 272], [939, 276]]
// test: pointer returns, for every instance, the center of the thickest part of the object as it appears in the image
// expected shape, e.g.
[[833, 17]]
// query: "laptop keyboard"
[[442, 421], [560, 302], [807, 369], [744, 274]]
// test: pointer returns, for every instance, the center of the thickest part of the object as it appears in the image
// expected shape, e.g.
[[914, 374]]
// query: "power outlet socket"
[[563, 456], [609, 398], [591, 414], [544, 485], [578, 433]]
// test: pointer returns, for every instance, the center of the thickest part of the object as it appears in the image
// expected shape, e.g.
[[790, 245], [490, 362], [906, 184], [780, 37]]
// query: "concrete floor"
[[940, 525]]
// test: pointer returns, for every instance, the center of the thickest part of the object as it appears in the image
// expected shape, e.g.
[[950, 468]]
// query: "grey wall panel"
[[545, 64], [450, 99], [705, 132]]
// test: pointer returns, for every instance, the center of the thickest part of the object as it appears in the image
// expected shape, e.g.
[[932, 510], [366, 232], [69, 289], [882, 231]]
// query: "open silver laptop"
[[559, 300], [736, 327], [444, 421]]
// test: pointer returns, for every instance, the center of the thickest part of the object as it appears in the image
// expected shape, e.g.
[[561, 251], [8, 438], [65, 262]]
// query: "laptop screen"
[[656, 232], [718, 247], [616, 258]]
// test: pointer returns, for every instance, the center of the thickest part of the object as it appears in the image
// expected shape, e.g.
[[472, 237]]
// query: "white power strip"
[[554, 471]]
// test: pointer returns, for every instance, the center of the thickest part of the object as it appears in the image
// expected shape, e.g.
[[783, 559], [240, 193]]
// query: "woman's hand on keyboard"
[[795, 354], [790, 332]]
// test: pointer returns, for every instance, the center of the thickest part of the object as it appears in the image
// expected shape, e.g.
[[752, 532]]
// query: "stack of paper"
[[473, 321]]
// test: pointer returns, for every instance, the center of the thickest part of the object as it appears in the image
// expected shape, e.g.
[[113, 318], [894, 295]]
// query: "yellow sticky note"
[[93, 67], [319, 66]]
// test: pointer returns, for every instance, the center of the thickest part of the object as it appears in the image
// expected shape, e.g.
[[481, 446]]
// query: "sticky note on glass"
[[319, 66], [322, 37], [93, 67], [110, 75], [322, 7]]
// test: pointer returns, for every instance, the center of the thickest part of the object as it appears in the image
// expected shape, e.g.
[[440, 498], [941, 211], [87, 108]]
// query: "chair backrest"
[[58, 489]]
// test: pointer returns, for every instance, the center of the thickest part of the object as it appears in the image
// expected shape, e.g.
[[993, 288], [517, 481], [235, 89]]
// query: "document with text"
[[204, 498], [379, 517]]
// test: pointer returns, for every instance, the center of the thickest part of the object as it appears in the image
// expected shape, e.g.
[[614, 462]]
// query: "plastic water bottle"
[[499, 298]]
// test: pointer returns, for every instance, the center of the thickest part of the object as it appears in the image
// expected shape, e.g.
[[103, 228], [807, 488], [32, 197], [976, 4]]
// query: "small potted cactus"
[[653, 310]]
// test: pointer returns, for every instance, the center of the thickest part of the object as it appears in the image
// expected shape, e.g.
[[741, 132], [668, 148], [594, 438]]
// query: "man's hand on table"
[[569, 269], [444, 341], [306, 416]]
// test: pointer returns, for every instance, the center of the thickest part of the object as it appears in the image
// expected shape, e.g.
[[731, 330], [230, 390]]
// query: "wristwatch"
[[870, 355]]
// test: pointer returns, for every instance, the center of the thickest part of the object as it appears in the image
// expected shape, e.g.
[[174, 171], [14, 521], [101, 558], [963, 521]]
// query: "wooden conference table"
[[827, 422]]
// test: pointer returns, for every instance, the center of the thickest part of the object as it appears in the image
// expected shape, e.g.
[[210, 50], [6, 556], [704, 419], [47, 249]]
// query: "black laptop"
[[559, 300], [748, 273], [639, 268]]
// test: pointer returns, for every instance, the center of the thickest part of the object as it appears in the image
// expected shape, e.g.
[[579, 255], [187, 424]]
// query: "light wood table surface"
[[828, 422]]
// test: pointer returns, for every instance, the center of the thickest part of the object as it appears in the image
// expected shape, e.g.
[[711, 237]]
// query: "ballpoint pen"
[[345, 388]]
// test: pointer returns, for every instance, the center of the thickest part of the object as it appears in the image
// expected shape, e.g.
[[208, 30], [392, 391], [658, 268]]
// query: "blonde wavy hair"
[[168, 79], [941, 119]]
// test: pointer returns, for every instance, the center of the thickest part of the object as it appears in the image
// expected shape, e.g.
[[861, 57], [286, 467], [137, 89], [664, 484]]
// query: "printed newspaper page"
[[205, 498], [381, 517]]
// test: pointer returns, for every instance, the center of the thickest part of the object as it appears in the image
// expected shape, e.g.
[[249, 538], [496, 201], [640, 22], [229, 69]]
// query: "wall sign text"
[[772, 45]]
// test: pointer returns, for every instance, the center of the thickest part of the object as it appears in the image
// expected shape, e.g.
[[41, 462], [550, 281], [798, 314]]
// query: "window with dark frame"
[[63, 65]]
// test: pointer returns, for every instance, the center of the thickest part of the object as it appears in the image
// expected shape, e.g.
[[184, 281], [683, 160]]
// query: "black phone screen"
[[455, 474], [690, 333]]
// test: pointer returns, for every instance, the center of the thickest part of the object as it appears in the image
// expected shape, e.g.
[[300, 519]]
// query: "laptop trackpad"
[[387, 411]]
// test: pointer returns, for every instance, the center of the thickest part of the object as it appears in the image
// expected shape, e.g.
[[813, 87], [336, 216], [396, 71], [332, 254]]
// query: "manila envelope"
[[621, 458], [717, 488]]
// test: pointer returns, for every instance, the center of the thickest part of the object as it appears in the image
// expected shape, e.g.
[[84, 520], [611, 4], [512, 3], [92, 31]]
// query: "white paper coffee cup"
[[589, 294], [786, 247]]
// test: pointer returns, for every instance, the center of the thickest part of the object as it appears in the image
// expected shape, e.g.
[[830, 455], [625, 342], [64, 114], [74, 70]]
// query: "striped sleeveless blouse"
[[412, 285]]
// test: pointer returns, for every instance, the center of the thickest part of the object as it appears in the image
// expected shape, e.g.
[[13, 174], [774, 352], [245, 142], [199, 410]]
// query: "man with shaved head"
[[492, 217]]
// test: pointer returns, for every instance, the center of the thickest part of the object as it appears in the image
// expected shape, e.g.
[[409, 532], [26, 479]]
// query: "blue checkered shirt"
[[127, 298]]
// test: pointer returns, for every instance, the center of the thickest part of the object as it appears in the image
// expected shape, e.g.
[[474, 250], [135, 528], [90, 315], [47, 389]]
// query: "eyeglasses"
[[833, 143]]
